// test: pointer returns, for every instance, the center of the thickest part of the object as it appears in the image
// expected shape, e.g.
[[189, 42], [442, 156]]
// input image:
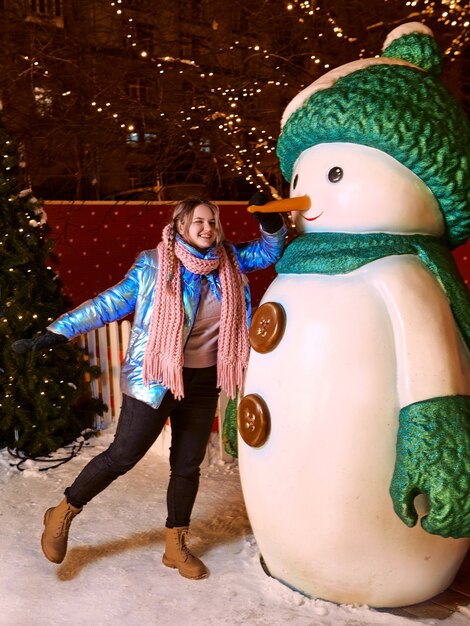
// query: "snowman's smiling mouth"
[[311, 219]]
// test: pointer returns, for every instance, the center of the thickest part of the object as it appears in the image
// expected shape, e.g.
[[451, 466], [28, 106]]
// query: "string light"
[[231, 121], [455, 17]]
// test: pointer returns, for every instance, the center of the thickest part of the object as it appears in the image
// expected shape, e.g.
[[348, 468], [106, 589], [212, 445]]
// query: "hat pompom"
[[415, 45]]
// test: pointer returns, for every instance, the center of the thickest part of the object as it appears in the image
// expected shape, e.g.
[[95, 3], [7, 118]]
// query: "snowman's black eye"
[[295, 181], [335, 174]]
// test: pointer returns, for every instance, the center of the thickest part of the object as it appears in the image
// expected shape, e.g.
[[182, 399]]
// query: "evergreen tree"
[[45, 401]]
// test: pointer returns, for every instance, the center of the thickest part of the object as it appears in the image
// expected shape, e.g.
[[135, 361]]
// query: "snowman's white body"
[[357, 347]]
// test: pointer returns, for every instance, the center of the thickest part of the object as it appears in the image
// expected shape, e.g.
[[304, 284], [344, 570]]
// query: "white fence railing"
[[106, 348]]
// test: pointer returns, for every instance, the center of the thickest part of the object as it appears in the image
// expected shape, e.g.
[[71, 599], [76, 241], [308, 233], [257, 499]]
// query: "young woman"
[[190, 303]]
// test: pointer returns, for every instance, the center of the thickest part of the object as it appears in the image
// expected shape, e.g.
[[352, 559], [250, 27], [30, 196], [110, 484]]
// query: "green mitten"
[[433, 457], [230, 428]]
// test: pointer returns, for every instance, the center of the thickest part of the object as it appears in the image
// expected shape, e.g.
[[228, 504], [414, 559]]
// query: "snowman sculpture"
[[354, 427]]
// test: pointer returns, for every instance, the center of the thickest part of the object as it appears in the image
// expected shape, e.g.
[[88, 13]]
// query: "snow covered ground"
[[113, 573]]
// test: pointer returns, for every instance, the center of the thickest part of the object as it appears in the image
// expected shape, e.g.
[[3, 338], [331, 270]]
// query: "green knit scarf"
[[340, 253]]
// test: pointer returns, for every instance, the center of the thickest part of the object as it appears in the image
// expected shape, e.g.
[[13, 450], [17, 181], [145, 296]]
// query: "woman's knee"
[[185, 477], [120, 462]]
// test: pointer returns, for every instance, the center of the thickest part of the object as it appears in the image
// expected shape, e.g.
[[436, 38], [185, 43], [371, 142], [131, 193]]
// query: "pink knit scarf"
[[163, 359]]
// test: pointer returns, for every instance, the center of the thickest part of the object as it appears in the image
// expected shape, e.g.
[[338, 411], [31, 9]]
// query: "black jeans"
[[139, 426]]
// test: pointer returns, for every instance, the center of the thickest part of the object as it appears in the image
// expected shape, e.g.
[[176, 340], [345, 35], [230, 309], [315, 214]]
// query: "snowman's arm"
[[433, 439], [431, 357]]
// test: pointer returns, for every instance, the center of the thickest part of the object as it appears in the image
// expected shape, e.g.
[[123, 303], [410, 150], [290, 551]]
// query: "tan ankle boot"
[[56, 532], [177, 555]]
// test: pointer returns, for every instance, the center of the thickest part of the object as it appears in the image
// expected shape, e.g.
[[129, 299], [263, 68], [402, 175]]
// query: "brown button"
[[267, 327], [254, 421]]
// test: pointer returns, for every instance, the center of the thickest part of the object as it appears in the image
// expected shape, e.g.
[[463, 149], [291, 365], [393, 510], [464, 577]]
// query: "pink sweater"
[[201, 347]]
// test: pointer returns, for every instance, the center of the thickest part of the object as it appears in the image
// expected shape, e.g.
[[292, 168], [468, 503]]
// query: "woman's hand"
[[269, 222], [47, 340]]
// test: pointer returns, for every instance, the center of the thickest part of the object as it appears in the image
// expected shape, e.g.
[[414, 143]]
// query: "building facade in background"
[[151, 99]]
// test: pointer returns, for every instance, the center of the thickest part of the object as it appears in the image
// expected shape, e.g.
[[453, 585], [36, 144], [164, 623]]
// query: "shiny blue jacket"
[[134, 295]]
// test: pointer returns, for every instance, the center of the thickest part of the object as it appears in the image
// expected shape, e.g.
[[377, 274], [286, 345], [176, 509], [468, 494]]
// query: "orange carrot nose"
[[300, 203]]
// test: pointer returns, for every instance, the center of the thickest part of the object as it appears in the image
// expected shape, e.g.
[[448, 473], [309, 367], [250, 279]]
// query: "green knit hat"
[[394, 103]]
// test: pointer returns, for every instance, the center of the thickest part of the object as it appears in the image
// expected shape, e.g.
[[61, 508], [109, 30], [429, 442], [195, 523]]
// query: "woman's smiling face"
[[201, 232]]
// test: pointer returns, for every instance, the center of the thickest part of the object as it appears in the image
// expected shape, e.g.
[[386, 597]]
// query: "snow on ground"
[[113, 571]]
